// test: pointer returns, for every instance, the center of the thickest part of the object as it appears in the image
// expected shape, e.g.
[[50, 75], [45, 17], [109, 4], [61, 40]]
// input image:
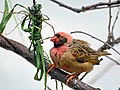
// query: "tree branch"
[[58, 74], [99, 5]]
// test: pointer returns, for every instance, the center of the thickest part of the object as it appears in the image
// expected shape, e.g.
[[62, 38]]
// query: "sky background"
[[17, 74]]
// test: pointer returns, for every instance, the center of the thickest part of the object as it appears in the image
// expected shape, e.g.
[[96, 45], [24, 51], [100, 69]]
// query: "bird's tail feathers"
[[104, 53]]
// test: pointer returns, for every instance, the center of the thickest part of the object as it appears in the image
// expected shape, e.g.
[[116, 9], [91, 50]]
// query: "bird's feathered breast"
[[57, 53]]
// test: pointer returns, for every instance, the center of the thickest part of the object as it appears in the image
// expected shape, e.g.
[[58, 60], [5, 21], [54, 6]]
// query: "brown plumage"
[[73, 55]]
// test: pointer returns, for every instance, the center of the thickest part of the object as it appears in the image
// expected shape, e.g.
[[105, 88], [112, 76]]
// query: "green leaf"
[[36, 77], [26, 30], [38, 57], [5, 18], [38, 64], [43, 64], [23, 24], [6, 9]]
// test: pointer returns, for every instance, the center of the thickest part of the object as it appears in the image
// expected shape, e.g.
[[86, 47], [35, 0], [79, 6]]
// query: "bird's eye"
[[61, 37], [57, 35]]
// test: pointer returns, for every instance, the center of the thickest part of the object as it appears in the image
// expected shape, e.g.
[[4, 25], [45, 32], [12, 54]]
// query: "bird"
[[74, 56]]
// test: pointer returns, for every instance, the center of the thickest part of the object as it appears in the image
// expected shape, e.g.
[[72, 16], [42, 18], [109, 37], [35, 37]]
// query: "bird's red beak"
[[54, 39]]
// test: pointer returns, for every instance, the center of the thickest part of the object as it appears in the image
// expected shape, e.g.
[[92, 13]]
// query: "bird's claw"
[[69, 77], [51, 67]]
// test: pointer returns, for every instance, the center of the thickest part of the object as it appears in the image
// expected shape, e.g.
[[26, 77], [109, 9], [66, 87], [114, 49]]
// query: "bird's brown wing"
[[79, 53], [78, 41], [83, 53], [85, 45]]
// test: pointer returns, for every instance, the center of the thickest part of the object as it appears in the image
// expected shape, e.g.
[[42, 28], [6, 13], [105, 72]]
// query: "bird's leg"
[[51, 67], [69, 77]]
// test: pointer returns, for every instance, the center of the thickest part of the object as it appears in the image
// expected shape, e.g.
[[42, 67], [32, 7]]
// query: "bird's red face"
[[60, 39], [55, 38]]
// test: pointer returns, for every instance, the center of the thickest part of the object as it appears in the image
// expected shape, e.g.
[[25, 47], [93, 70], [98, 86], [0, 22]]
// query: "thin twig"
[[50, 26], [116, 18], [113, 60], [13, 29], [99, 5], [110, 18], [104, 7], [66, 6], [33, 2], [117, 40], [48, 88], [84, 75], [56, 84], [62, 86]]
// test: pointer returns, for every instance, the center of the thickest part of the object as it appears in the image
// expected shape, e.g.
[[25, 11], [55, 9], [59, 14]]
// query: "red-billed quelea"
[[73, 55]]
